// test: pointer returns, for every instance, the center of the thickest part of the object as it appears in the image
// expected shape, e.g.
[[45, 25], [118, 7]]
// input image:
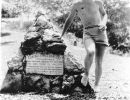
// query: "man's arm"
[[69, 20]]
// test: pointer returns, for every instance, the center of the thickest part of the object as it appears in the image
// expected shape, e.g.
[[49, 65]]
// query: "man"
[[93, 18]]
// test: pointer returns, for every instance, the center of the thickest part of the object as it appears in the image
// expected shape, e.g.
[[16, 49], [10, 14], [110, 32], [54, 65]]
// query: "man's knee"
[[89, 46], [90, 52], [99, 63]]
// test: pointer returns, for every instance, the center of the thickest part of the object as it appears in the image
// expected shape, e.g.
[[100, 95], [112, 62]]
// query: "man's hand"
[[64, 32], [61, 36], [102, 28]]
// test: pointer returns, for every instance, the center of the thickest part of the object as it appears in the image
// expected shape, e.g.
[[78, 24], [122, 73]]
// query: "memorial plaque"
[[47, 64]]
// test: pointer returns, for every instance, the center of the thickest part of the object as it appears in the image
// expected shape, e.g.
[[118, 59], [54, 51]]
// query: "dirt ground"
[[114, 84]]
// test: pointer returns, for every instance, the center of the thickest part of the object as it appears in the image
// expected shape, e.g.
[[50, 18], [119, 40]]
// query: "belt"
[[92, 26]]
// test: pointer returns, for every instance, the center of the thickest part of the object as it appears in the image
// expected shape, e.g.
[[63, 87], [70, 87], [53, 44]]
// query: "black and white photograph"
[[65, 50]]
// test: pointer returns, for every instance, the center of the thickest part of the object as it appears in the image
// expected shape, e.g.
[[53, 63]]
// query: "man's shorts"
[[100, 37]]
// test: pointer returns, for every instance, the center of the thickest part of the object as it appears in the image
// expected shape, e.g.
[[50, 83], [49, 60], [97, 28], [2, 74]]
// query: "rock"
[[50, 44], [15, 64], [42, 83], [72, 66], [67, 83], [32, 29], [56, 48], [31, 35], [55, 84], [55, 89], [32, 45], [42, 23], [12, 83]]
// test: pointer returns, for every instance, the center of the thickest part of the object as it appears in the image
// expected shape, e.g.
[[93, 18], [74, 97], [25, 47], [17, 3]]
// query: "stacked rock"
[[43, 65]]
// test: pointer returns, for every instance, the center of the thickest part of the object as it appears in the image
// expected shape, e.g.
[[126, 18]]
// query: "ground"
[[114, 84]]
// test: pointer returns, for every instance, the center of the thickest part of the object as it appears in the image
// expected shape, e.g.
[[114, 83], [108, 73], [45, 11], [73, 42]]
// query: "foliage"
[[49, 7], [117, 38], [76, 26], [117, 26], [9, 10]]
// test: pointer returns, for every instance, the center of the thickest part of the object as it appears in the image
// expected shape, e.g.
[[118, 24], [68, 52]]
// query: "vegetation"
[[117, 27]]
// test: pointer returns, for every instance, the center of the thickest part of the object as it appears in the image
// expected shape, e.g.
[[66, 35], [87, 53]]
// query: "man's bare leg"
[[100, 50], [90, 49]]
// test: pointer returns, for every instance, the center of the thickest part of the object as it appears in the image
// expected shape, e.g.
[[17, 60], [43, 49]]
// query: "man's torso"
[[89, 13]]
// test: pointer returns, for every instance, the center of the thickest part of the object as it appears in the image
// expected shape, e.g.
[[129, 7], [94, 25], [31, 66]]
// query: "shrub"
[[75, 28], [117, 37], [9, 10], [61, 19]]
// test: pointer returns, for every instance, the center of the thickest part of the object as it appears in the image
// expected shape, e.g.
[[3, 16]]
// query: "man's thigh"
[[100, 50], [88, 43]]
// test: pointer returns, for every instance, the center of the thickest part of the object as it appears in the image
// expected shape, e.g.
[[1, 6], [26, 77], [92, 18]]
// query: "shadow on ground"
[[3, 34], [7, 42]]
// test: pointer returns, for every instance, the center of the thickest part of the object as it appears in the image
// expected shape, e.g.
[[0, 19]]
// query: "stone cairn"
[[40, 38]]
